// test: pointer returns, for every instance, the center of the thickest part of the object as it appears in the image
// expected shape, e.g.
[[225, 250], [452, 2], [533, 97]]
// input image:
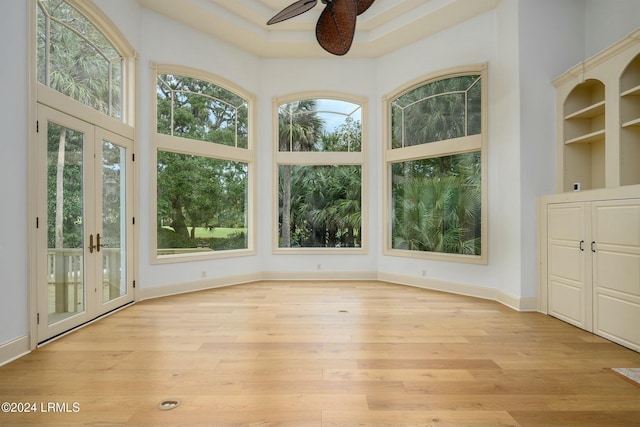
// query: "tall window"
[[204, 164], [435, 168], [320, 174], [82, 158]]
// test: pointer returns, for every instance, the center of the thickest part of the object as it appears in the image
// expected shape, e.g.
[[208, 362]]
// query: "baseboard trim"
[[439, 285], [194, 286], [518, 304], [320, 275], [14, 349]]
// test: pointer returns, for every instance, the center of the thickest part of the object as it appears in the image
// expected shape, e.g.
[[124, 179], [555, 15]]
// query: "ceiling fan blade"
[[336, 26], [294, 9], [363, 5]]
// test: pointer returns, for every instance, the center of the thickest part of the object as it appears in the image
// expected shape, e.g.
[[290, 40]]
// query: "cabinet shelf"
[[634, 91], [587, 138], [588, 112], [631, 123]]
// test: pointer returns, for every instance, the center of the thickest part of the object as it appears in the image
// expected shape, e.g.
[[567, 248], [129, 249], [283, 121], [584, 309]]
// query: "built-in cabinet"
[[598, 105], [589, 232], [593, 262]]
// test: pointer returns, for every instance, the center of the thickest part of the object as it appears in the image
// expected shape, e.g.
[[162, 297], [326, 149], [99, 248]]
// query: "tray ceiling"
[[388, 25]]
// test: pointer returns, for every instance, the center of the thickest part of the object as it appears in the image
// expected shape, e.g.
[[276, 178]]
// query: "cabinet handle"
[[582, 245], [593, 249]]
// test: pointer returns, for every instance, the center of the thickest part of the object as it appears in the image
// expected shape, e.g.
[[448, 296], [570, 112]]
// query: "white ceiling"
[[386, 26]]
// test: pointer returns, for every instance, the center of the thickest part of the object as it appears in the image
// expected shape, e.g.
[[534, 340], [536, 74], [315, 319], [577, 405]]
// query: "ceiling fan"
[[336, 25]]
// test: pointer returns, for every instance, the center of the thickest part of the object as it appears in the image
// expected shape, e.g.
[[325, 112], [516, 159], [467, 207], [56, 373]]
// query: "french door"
[[84, 253]]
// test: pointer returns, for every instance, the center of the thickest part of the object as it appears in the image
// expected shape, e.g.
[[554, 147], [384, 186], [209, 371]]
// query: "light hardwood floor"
[[325, 354]]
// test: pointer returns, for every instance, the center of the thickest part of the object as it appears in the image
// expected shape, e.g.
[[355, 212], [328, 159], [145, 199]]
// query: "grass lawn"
[[218, 232]]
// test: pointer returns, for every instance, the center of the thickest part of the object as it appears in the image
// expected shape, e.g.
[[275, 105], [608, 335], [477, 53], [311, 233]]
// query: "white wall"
[[607, 21], [542, 56], [126, 14], [14, 220]]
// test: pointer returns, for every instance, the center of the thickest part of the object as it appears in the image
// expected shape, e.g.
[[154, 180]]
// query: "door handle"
[[582, 245], [91, 245], [98, 244]]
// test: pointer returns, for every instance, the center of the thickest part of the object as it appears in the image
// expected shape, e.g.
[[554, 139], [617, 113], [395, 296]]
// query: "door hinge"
[[134, 220], [37, 126], [38, 319], [134, 284], [133, 157], [37, 222]]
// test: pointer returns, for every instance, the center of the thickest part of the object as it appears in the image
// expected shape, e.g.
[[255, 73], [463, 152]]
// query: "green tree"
[[326, 200], [437, 204], [74, 58], [444, 109], [197, 109], [437, 201], [198, 191], [328, 211], [299, 129]]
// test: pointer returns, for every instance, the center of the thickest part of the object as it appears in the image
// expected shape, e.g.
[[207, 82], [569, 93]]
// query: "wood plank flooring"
[[324, 354]]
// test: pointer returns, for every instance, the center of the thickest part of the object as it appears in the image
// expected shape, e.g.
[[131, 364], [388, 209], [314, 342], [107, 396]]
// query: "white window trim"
[[323, 158], [178, 144], [436, 149]]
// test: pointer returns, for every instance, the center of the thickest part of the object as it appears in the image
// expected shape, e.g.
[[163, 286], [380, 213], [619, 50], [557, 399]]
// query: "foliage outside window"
[[320, 167], [435, 169], [201, 110], [203, 167], [76, 59]]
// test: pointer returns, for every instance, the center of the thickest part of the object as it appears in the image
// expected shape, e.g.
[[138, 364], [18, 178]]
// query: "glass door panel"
[[66, 294], [114, 226], [84, 252]]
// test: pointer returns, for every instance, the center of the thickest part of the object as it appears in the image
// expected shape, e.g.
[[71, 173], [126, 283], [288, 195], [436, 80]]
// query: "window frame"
[[309, 158], [461, 145], [126, 124], [182, 145]]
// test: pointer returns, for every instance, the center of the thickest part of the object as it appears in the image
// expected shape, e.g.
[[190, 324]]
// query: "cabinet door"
[[569, 281], [616, 270]]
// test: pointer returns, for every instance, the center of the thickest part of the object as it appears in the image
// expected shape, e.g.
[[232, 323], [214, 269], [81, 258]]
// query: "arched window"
[[320, 171], [435, 164], [205, 166], [75, 58]]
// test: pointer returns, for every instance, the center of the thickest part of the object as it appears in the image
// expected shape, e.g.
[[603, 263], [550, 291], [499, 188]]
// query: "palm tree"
[[437, 206], [326, 206], [437, 201], [299, 129], [74, 58]]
